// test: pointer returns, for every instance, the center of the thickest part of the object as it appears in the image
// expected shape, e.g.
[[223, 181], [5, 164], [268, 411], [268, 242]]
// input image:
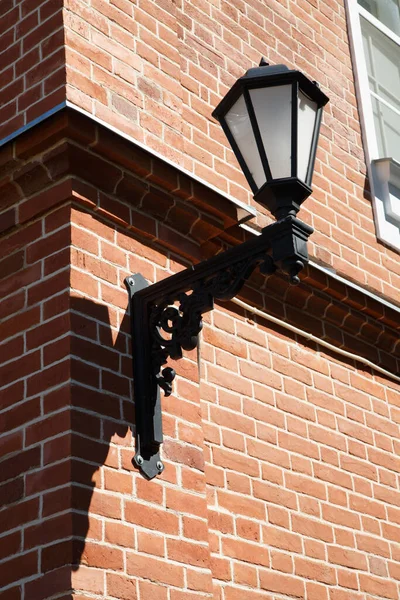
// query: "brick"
[[377, 586], [286, 584], [312, 528], [47, 478], [245, 551], [291, 433], [274, 494], [21, 463], [25, 565], [347, 558], [297, 444], [105, 505], [121, 587], [236, 462], [55, 582], [44, 200], [195, 529], [119, 534], [11, 443], [236, 421], [363, 505], [341, 516], [48, 378], [188, 553], [40, 291], [87, 579], [220, 522], [332, 475], [19, 323], [237, 504], [359, 467], [154, 569], [48, 531], [237, 594], [151, 518], [50, 330], [151, 544], [284, 540], [372, 545], [316, 571], [103, 557], [12, 544], [186, 455]]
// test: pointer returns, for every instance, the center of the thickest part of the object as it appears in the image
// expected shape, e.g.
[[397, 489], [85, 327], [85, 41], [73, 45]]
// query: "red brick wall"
[[32, 61], [303, 477], [140, 532], [281, 468], [281, 475]]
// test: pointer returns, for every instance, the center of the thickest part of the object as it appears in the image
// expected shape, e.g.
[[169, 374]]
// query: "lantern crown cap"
[[265, 69], [266, 75]]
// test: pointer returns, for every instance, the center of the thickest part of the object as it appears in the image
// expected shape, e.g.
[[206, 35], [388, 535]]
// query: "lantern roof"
[[268, 75]]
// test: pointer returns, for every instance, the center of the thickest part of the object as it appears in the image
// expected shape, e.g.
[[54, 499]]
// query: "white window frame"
[[387, 228]]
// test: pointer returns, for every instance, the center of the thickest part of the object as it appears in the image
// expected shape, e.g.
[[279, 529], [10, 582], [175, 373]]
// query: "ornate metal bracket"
[[162, 330]]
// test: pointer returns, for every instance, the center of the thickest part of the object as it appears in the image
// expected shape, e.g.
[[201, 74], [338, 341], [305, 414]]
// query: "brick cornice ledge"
[[116, 178]]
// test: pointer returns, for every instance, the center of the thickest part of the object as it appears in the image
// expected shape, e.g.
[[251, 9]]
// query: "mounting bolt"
[[139, 459], [160, 466], [131, 281]]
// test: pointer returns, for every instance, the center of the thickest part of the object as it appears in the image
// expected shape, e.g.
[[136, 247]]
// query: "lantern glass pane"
[[238, 121], [307, 113], [273, 109]]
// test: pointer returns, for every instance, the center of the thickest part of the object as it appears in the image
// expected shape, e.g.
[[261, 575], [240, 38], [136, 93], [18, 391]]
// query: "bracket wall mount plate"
[[162, 330]]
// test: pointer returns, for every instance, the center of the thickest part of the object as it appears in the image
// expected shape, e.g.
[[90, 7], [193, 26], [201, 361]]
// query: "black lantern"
[[271, 117]]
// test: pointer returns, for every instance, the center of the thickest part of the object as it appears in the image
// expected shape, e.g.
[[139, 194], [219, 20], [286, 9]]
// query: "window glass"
[[383, 66], [386, 11], [375, 37], [387, 125]]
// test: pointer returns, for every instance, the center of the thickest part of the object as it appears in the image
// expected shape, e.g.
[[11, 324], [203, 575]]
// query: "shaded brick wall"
[[34, 399]]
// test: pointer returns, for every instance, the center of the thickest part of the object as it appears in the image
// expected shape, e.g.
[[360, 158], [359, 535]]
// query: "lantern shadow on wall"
[[271, 117]]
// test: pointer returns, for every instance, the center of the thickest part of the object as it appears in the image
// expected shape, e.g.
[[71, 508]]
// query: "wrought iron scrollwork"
[[167, 318], [184, 323]]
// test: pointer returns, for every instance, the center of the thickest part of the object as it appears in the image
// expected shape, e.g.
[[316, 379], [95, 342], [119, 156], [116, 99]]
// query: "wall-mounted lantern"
[[271, 117]]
